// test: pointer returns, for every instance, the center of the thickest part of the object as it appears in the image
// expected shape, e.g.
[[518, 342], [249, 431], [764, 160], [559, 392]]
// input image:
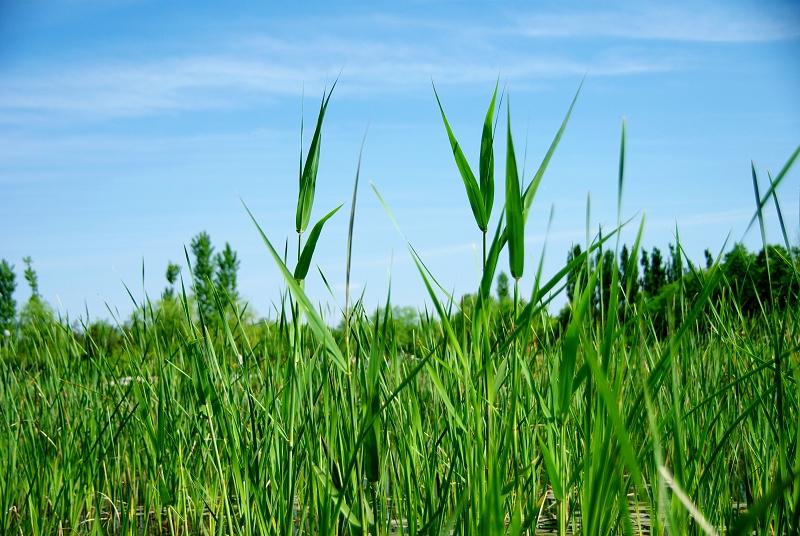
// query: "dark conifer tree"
[[645, 280], [503, 294], [227, 264], [31, 277], [173, 270], [203, 273], [8, 307]]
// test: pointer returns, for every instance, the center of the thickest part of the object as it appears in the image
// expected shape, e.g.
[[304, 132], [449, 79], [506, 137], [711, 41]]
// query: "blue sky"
[[127, 127]]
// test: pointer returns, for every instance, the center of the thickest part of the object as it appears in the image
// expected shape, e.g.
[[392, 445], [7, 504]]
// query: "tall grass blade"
[[515, 223], [350, 229]]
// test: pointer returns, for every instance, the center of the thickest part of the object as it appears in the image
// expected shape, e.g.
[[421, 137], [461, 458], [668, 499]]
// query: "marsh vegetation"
[[674, 390]]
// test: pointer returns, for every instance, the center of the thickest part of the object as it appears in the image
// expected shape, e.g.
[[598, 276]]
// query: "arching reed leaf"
[[515, 224], [301, 270], [530, 191], [308, 176], [487, 159], [318, 326], [470, 183], [773, 185]]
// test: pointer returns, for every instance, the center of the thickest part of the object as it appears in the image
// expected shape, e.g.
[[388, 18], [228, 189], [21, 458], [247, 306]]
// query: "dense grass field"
[[483, 418]]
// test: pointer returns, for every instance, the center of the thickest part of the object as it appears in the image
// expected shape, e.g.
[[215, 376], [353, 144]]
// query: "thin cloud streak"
[[265, 67], [668, 24]]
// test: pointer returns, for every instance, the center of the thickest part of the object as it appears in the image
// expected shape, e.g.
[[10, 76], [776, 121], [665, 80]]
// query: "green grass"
[[485, 422]]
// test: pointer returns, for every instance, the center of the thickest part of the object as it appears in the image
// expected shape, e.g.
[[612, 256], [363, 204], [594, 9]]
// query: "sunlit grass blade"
[[702, 522]]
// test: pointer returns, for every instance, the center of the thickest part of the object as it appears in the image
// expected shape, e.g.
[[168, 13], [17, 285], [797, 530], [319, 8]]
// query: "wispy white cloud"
[[148, 87], [394, 55], [228, 82], [99, 147], [256, 68], [696, 22]]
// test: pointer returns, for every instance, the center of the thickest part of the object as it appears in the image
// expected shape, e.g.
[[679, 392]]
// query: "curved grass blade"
[[621, 177], [530, 191], [538, 301], [316, 323], [350, 229], [301, 270], [367, 424], [495, 248], [486, 170], [773, 185], [699, 518], [715, 275], [470, 183], [780, 214]]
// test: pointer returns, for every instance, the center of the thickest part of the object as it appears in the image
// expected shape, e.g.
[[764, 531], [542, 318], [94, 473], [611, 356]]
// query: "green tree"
[[227, 265], [203, 274], [776, 285], [503, 293], [8, 307], [657, 274], [405, 324], [644, 282], [102, 339], [36, 319], [31, 277], [709, 259], [675, 266], [739, 268], [173, 270]]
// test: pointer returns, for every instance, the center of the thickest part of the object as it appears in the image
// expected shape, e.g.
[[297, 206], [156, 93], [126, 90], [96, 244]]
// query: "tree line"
[[754, 281], [653, 282], [214, 288]]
